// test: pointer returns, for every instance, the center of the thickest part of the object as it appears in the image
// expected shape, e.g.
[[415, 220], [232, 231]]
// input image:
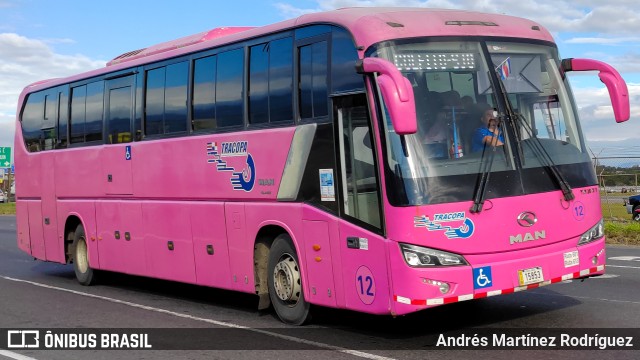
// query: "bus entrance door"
[[117, 159]]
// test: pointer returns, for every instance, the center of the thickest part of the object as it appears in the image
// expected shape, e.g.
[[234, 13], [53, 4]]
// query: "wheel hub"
[[286, 279]]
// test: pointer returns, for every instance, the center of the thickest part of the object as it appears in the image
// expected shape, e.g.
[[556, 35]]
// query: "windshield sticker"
[[243, 179], [455, 225], [327, 191]]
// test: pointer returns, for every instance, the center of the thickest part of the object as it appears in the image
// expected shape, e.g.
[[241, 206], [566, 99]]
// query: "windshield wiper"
[[546, 160], [539, 150], [480, 191], [485, 170]]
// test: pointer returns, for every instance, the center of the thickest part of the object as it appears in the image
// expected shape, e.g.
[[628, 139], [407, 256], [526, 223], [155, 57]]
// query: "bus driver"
[[489, 133]]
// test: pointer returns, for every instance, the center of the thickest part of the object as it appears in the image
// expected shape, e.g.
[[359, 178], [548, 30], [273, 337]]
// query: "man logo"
[[520, 238], [527, 219]]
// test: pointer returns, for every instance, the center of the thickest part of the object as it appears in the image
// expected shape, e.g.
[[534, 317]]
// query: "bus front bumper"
[[489, 275]]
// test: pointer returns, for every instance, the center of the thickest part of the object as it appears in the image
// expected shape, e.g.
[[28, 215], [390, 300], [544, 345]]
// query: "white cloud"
[[25, 61], [614, 16], [596, 114], [58, 41], [290, 11], [603, 40]]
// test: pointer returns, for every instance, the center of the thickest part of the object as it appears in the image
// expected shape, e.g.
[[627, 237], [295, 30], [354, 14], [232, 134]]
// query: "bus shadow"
[[351, 329], [157, 287], [421, 329]]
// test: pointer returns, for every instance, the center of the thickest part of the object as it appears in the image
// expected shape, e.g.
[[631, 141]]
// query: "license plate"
[[530, 276], [571, 259]]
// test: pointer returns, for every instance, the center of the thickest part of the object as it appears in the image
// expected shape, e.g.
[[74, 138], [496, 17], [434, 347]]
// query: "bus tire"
[[635, 215], [84, 273], [285, 282]]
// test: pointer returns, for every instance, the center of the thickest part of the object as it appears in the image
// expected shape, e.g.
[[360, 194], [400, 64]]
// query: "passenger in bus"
[[438, 130], [435, 139], [466, 102], [489, 133]]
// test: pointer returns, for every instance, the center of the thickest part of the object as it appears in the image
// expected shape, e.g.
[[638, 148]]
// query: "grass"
[[618, 226], [613, 207], [627, 233], [7, 208]]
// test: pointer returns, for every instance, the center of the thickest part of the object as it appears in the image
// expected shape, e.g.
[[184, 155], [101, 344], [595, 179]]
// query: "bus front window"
[[453, 93]]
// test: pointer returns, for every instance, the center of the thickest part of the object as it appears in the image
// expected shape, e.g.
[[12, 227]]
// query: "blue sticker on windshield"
[[455, 225]]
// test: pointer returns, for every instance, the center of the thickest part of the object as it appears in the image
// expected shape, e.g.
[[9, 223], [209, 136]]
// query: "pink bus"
[[378, 160]]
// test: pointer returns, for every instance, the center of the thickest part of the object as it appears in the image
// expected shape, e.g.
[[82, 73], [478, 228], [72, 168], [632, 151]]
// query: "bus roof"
[[178, 43], [368, 25]]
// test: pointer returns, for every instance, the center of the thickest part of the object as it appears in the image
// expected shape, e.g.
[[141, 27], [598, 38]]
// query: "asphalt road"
[[39, 295]]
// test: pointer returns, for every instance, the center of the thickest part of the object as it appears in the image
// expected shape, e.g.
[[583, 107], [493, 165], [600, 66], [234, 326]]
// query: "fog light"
[[442, 286]]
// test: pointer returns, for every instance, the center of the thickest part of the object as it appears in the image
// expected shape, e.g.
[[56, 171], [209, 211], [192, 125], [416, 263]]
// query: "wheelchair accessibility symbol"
[[482, 277], [127, 152]]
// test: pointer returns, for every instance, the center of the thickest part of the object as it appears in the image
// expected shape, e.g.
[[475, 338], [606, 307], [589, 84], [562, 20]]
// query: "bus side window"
[[32, 121], [312, 73], [166, 99], [203, 105], [270, 82], [229, 89], [63, 118], [77, 122], [361, 196], [94, 111], [119, 112]]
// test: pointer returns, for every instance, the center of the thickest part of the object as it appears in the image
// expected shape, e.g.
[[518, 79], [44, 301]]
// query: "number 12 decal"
[[369, 281], [578, 211], [365, 285]]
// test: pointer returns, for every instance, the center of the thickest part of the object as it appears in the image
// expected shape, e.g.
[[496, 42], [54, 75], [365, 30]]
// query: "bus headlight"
[[418, 256], [595, 233]]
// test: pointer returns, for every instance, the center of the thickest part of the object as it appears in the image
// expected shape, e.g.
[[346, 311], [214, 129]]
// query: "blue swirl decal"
[[245, 179], [447, 223], [464, 231]]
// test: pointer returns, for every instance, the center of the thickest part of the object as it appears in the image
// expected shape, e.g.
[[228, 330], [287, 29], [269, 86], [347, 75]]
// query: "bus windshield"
[[459, 118]]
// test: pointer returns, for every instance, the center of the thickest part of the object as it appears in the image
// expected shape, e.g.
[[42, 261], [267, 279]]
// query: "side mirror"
[[396, 91], [618, 91]]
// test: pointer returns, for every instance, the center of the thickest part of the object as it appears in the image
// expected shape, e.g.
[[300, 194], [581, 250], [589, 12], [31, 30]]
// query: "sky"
[[42, 39]]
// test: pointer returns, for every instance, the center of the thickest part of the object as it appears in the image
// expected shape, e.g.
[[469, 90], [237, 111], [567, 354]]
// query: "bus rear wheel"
[[285, 282], [84, 273]]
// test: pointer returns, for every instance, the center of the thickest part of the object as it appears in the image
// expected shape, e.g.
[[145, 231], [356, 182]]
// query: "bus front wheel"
[[84, 273], [285, 282]]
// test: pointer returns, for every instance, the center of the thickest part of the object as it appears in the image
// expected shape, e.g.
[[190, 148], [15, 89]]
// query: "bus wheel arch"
[[69, 231], [76, 250], [264, 240]]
